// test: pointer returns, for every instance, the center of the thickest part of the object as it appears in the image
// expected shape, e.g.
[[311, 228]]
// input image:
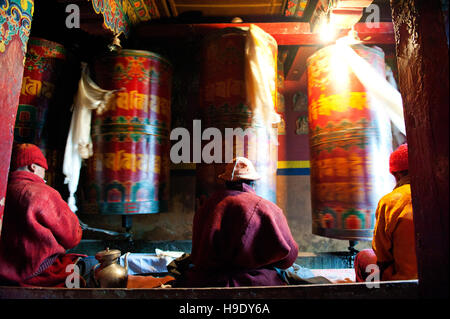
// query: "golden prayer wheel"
[[350, 143]]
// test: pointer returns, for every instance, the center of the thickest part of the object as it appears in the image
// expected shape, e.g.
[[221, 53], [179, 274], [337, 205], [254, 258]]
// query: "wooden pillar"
[[422, 56], [15, 18]]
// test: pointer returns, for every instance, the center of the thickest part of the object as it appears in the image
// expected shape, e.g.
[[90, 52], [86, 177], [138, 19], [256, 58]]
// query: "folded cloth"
[[147, 281], [337, 275], [300, 271], [142, 263], [295, 277]]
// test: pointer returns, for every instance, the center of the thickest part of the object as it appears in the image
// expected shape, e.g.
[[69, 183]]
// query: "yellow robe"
[[394, 235]]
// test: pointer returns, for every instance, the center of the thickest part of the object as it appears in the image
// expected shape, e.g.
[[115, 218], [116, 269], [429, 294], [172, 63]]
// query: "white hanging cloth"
[[79, 144], [376, 83], [261, 77]]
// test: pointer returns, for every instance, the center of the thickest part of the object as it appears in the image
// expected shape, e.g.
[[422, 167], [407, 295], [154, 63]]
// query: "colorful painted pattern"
[[43, 67], [223, 104], [348, 146], [129, 172], [119, 15], [41, 54], [295, 8], [289, 168], [139, 10], [15, 24], [15, 18]]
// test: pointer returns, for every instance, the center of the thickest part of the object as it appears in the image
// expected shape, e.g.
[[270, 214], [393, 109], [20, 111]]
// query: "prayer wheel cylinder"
[[44, 67], [129, 171], [223, 105], [350, 144]]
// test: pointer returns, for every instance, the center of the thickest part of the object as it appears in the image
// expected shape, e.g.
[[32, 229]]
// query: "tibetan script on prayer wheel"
[[43, 66], [129, 172], [350, 143], [224, 105]]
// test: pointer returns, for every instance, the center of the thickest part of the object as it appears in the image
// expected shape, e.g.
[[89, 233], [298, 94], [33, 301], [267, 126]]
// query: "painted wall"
[[15, 25]]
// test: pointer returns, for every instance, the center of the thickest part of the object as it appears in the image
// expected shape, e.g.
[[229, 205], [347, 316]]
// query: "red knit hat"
[[27, 154], [398, 161]]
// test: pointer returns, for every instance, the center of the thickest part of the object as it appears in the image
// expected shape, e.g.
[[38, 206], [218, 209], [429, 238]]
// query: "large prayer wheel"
[[350, 143], [223, 104], [43, 66], [39, 101], [129, 172]]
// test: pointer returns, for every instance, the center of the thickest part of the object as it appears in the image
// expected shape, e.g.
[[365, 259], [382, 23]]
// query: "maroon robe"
[[238, 237], [38, 228]]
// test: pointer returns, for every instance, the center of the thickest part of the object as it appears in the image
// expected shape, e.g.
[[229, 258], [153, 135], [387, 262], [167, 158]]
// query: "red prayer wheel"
[[350, 144], [43, 66], [129, 172], [43, 71], [223, 104]]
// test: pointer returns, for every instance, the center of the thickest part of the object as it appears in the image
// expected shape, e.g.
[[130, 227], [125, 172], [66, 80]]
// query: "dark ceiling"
[[176, 16]]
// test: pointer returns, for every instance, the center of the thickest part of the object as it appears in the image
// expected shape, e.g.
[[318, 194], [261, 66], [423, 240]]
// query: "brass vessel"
[[109, 273]]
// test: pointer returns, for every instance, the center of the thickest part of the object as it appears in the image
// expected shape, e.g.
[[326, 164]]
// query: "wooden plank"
[[231, 8], [386, 290]]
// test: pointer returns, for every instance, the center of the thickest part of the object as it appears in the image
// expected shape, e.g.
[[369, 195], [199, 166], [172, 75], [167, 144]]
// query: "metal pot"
[[109, 273]]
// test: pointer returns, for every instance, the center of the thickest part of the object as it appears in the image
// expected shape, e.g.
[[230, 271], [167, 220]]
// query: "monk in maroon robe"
[[239, 237], [38, 226]]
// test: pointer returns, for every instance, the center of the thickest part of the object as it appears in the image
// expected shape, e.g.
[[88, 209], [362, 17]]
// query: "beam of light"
[[389, 97], [339, 71], [327, 30], [388, 104]]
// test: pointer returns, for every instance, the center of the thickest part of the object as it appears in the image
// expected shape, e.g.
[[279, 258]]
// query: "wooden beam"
[[299, 64], [285, 33], [383, 35], [281, 31]]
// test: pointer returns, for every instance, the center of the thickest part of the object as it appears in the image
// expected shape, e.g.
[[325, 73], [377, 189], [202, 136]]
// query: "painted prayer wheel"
[[39, 99], [43, 66], [223, 105], [280, 87], [350, 144], [129, 172]]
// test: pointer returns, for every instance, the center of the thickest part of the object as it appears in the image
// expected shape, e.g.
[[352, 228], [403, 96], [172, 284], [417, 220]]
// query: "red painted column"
[[15, 20], [422, 56]]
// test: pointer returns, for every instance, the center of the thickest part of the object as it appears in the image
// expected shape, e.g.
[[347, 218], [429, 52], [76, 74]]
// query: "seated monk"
[[38, 225], [393, 241], [239, 238]]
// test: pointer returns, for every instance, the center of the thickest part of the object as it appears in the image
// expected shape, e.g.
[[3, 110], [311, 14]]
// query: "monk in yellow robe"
[[393, 245]]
